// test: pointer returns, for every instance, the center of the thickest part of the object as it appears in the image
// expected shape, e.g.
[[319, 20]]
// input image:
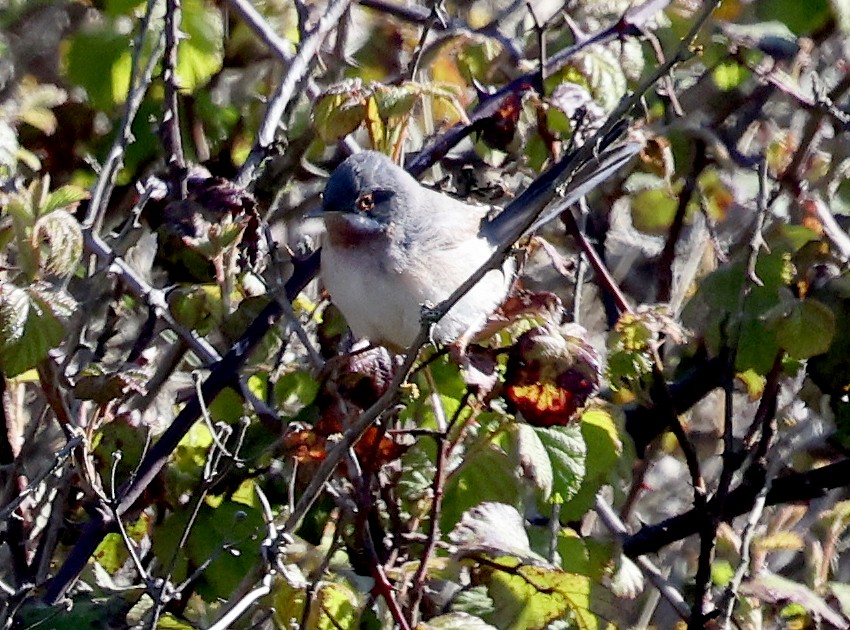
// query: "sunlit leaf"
[[340, 110], [60, 239], [14, 310], [43, 329], [604, 449], [530, 597], [334, 606], [566, 450], [200, 54], [492, 529], [65, 197], [99, 61], [604, 75]]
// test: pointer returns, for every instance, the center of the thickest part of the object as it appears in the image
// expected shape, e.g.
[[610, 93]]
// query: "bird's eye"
[[366, 202]]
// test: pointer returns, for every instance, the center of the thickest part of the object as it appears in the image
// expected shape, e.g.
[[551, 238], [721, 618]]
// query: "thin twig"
[[59, 460], [437, 489], [139, 87], [668, 254], [298, 69], [614, 525], [172, 141]]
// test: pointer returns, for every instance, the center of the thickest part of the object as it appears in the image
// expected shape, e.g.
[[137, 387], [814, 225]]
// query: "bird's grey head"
[[369, 185]]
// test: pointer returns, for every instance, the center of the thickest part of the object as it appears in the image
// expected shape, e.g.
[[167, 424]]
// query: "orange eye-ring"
[[366, 202]]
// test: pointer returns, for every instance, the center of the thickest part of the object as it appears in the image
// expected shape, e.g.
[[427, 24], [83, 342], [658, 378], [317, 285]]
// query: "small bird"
[[392, 246]]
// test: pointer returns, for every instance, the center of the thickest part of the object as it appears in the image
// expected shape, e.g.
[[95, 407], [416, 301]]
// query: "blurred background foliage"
[[475, 501]]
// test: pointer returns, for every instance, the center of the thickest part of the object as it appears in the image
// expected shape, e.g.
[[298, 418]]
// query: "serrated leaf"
[[58, 301], [492, 529], [42, 332], [395, 100], [473, 601], [604, 74], [566, 451], [14, 310], [604, 449], [808, 329], [37, 101], [60, 240], [530, 597]]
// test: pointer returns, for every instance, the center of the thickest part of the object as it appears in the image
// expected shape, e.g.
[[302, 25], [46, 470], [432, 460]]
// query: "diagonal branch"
[[298, 69]]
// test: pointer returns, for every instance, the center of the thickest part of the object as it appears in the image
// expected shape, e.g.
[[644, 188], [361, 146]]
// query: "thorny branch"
[[725, 504]]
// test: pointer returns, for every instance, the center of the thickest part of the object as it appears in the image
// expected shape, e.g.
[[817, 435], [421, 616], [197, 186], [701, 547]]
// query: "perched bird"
[[392, 246]]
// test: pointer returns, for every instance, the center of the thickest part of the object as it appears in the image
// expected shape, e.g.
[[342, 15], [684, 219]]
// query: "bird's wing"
[[506, 226]]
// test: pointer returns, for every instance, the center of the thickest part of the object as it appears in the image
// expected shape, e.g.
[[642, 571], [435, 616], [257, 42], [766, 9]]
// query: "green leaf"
[[334, 606], [492, 529], [801, 17], [473, 601], [295, 390], [42, 330], [115, 8], [487, 475], [14, 310], [532, 458], [475, 60], [228, 537], [60, 240], [808, 329], [227, 407], [653, 210], [288, 602], [528, 596], [37, 102], [729, 74], [395, 100], [65, 197], [604, 449], [566, 451], [197, 307], [100, 61], [604, 74], [200, 55], [340, 110]]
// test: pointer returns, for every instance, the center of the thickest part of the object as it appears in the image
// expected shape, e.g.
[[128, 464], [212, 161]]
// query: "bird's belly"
[[384, 305], [375, 302]]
